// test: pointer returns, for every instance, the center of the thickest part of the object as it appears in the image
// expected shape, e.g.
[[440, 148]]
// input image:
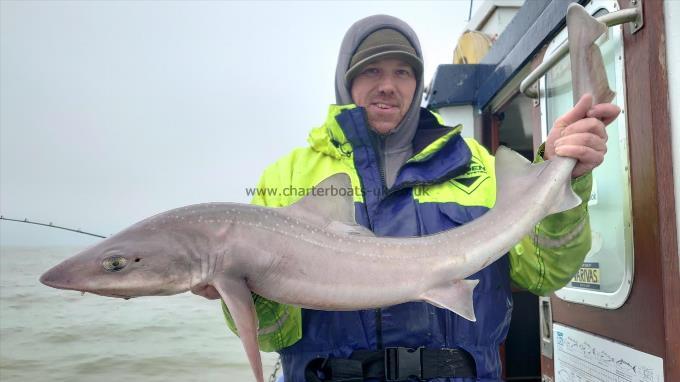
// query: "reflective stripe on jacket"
[[448, 182]]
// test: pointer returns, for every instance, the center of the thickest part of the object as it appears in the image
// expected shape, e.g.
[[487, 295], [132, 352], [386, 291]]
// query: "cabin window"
[[606, 275], [515, 128]]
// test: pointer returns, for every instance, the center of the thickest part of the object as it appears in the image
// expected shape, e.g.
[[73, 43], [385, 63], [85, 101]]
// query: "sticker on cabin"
[[580, 356], [588, 277]]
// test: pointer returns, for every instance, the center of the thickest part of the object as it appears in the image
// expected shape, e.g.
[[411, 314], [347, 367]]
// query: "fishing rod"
[[50, 224]]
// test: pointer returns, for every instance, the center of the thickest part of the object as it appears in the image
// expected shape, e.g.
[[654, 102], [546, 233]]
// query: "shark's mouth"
[[110, 294]]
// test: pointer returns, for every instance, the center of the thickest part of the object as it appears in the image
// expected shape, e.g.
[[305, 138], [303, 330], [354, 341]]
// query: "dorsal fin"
[[330, 200], [515, 174], [510, 163]]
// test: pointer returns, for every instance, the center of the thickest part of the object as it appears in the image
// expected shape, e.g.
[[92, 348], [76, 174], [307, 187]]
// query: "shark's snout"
[[56, 278], [60, 277]]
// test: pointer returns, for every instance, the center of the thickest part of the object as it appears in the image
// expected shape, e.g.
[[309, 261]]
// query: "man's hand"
[[207, 291], [581, 134]]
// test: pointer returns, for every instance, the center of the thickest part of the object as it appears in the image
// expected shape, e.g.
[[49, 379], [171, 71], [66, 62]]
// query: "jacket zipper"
[[381, 167], [378, 149]]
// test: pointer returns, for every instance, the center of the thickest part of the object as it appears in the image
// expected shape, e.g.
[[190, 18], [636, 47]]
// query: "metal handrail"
[[610, 19]]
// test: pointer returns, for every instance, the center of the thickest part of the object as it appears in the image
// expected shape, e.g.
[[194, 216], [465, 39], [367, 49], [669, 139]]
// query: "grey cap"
[[382, 44]]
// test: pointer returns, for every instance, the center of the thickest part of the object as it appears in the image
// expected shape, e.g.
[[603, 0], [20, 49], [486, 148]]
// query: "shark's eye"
[[114, 263]]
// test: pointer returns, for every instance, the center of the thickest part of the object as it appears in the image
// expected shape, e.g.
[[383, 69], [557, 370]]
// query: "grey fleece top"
[[395, 148]]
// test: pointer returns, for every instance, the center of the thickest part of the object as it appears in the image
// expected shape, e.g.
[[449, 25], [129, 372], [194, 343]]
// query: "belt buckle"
[[403, 363]]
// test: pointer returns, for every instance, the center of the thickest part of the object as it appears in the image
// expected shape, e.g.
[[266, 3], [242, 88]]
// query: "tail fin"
[[588, 74]]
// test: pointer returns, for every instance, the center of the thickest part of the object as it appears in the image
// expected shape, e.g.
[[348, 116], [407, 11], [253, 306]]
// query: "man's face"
[[386, 89]]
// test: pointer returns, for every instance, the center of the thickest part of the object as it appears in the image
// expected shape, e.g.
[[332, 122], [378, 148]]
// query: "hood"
[[398, 144]]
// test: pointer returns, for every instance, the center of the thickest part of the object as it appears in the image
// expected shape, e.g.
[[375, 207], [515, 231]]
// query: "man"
[[405, 162]]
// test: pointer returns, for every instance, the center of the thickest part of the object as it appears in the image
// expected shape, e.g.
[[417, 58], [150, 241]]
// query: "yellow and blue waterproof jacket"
[[448, 182]]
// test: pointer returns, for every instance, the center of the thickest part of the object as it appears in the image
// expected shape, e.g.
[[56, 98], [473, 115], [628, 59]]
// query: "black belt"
[[393, 364]]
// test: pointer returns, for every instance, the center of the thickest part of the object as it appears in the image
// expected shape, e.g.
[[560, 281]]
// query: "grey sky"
[[113, 111]]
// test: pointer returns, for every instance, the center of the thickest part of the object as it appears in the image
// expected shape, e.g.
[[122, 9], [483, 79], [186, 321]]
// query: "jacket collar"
[[329, 138], [439, 151]]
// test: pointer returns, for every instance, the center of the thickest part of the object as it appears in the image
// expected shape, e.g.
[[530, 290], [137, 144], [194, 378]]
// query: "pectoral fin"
[[456, 297], [236, 295]]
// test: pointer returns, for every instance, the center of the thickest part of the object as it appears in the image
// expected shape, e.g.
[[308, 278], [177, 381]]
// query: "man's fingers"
[[583, 154], [588, 158], [585, 139], [586, 125], [606, 112], [577, 112], [581, 134]]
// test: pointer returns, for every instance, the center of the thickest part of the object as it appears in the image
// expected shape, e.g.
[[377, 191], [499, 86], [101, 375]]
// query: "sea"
[[53, 335]]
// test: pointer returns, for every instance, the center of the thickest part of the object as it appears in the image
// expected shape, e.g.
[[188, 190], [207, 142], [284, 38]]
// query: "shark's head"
[[135, 262]]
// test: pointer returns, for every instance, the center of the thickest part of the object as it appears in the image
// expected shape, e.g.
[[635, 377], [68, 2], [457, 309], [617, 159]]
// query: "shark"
[[313, 254]]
